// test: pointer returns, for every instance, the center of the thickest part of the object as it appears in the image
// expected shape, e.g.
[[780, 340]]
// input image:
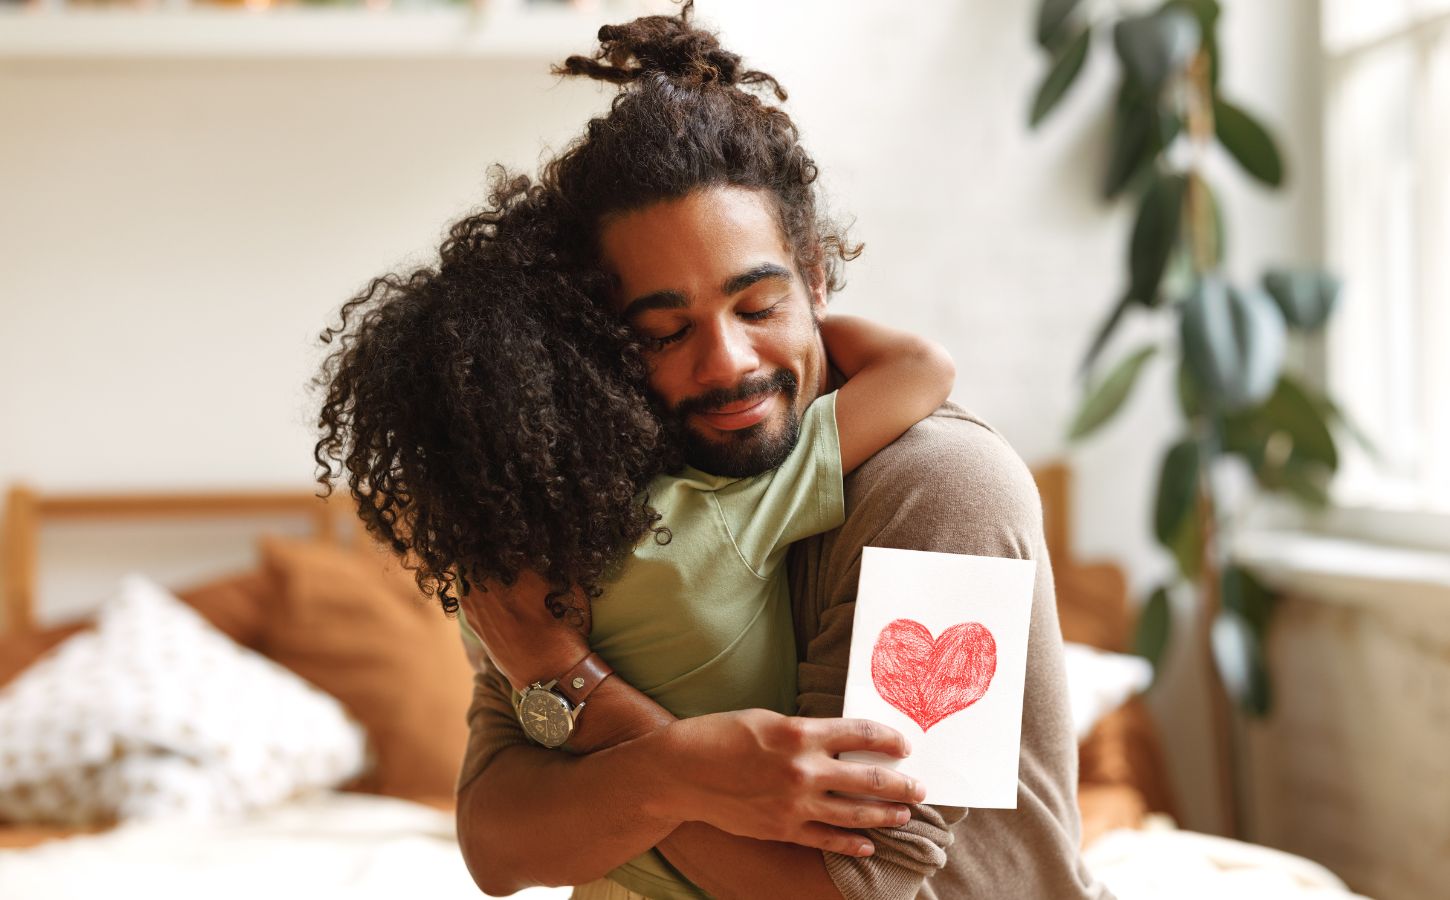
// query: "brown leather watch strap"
[[580, 681]]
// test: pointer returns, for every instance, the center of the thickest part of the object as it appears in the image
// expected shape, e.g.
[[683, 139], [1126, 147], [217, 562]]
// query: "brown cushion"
[[1124, 749], [1105, 807], [354, 623], [235, 604]]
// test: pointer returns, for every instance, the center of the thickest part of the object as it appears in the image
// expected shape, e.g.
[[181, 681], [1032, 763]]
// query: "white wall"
[[174, 234]]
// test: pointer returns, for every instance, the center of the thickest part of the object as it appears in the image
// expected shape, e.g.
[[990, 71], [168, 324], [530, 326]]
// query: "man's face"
[[735, 354]]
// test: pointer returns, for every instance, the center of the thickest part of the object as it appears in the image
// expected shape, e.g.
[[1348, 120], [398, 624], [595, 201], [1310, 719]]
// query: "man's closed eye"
[[666, 340]]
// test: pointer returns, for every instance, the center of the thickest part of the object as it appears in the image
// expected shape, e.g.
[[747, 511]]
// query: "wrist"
[[548, 665], [617, 713], [674, 795]]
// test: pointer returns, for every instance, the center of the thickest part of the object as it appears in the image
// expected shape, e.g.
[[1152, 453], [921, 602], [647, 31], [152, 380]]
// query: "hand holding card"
[[939, 652]]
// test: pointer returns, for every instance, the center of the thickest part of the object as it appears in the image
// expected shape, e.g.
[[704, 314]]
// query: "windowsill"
[[1344, 570]]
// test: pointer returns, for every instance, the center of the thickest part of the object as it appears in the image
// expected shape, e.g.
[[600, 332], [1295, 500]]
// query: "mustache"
[[781, 380]]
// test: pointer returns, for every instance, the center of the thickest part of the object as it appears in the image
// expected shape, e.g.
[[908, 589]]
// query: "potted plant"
[[1239, 405]]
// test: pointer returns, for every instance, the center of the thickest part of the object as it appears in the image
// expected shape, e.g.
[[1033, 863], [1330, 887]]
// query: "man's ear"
[[816, 289]]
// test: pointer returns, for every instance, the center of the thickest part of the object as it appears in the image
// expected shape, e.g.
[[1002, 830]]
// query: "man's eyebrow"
[[657, 300], [737, 283]]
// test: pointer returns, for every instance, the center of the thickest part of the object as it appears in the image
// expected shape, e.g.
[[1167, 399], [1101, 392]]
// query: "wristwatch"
[[548, 710]]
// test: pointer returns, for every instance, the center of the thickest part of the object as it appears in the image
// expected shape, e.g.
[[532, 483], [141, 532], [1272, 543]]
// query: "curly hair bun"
[[665, 46]]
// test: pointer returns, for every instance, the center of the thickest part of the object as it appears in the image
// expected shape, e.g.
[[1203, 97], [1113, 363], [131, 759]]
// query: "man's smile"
[[741, 414]]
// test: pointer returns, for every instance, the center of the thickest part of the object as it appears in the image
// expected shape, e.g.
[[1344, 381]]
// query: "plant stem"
[[1198, 209], [1214, 561]]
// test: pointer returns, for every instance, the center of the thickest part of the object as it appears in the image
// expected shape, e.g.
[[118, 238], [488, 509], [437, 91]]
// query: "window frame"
[[1378, 508]]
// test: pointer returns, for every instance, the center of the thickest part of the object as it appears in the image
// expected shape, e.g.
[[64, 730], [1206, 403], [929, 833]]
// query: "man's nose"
[[726, 354]]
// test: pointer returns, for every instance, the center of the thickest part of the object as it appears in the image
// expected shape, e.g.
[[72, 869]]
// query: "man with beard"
[[698, 200]]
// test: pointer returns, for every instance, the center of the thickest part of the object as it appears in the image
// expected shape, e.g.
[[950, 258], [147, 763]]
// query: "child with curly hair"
[[493, 416]]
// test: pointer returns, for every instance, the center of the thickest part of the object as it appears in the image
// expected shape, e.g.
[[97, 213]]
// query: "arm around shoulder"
[[894, 379]]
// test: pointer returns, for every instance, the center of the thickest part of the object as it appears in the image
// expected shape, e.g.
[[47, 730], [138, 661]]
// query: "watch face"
[[545, 717]]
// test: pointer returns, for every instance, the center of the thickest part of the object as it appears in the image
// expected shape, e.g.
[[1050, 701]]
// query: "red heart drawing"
[[930, 680]]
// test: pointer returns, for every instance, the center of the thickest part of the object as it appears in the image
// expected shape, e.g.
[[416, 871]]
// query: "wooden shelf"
[[322, 33]]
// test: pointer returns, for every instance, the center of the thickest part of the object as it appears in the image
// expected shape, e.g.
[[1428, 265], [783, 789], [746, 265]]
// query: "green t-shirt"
[[702, 623]]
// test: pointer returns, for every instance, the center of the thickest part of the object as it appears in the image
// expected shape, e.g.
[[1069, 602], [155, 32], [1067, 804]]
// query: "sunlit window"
[[1387, 186]]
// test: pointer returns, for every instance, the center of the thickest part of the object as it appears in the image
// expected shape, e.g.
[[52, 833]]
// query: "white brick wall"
[[1353, 768]]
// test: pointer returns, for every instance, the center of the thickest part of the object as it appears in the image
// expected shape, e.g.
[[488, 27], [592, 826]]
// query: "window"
[[1387, 212]]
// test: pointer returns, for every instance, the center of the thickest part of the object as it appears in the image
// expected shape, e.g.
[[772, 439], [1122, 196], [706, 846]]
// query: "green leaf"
[[1187, 547], [1177, 490], [1051, 16], [1188, 400], [1292, 417], [1176, 511], [1291, 409], [1307, 481], [1104, 401], [1240, 634], [1154, 234], [1065, 69], [1333, 412], [1245, 434], [1238, 654], [1170, 125], [1132, 149], [1101, 338], [1151, 636], [1247, 596], [1248, 142], [1307, 297], [1234, 340], [1141, 133], [1157, 45]]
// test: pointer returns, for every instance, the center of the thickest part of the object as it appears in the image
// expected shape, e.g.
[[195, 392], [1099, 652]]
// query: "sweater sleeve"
[[949, 485]]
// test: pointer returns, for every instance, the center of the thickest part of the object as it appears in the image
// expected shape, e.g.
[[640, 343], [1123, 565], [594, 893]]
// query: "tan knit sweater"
[[951, 484]]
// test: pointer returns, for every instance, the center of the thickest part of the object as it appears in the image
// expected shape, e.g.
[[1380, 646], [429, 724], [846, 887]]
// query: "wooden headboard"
[[27, 510], [1091, 597]]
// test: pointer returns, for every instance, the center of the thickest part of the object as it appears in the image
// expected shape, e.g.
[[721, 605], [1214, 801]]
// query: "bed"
[[340, 614]]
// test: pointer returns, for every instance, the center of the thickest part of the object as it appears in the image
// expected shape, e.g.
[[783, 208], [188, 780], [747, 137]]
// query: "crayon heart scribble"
[[932, 679]]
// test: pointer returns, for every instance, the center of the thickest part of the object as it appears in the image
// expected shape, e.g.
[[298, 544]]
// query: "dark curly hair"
[[491, 413], [681, 123]]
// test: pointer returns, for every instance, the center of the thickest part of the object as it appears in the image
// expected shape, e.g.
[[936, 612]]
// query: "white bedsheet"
[[358, 846], [325, 845], [1161, 861]]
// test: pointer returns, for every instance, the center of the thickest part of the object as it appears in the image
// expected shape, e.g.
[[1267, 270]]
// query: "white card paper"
[[939, 652]]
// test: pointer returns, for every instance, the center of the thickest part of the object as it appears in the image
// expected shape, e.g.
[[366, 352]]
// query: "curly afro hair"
[[490, 413], [686, 119]]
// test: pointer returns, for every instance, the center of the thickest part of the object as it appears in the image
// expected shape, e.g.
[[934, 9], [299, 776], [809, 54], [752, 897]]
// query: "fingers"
[[871, 780], [853, 813], [841, 735], [835, 840]]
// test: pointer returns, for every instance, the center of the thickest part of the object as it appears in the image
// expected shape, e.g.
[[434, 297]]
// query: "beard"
[[747, 451]]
